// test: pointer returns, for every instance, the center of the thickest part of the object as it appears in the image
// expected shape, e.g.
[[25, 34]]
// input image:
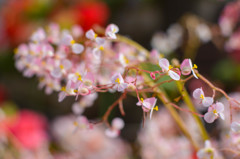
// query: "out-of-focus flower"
[[87, 143], [214, 111], [117, 125], [207, 152], [160, 139], [168, 42], [111, 31], [198, 94], [174, 73], [29, 129], [203, 32], [187, 67], [229, 17]]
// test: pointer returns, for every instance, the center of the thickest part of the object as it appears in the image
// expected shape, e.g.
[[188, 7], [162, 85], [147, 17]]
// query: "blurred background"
[[145, 21]]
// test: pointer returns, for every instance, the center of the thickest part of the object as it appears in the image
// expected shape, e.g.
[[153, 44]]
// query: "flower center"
[[195, 66], [202, 96], [61, 67], [155, 108], [141, 99], [63, 89], [72, 42], [126, 60], [101, 48], [95, 35], [215, 111], [170, 67], [117, 80]]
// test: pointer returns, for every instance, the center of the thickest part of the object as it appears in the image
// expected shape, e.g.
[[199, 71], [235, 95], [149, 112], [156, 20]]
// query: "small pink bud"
[[152, 74]]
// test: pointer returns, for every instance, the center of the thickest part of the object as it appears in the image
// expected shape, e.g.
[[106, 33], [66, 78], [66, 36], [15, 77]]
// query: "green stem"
[[191, 107]]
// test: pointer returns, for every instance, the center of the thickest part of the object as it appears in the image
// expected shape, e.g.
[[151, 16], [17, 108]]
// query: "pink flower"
[[117, 125], [111, 31], [97, 51], [120, 85], [148, 104], [90, 34], [166, 67], [187, 67], [29, 130], [61, 69], [68, 90], [76, 48], [38, 36], [199, 95], [214, 112]]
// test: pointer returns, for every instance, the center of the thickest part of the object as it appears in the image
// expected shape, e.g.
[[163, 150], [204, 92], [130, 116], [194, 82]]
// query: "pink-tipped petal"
[[185, 67]]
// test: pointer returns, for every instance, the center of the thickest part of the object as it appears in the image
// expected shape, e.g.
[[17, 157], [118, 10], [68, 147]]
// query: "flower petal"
[[219, 107], [186, 67], [173, 75], [164, 64], [56, 73], [207, 101], [61, 96], [209, 117], [197, 93], [117, 123], [77, 48]]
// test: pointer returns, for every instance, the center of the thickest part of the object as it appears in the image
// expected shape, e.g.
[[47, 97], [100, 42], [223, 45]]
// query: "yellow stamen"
[[95, 35], [195, 66], [141, 99], [117, 80], [63, 89], [170, 67], [101, 48], [161, 55], [72, 42], [75, 123], [156, 108], [15, 50], [75, 91], [80, 78], [114, 30], [43, 63], [126, 60], [61, 67], [202, 96], [215, 111]]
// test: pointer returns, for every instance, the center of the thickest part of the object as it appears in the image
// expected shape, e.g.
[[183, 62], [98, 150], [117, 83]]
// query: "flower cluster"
[[75, 63]]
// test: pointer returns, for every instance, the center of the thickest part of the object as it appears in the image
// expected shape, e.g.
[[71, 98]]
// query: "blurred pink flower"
[[29, 128]]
